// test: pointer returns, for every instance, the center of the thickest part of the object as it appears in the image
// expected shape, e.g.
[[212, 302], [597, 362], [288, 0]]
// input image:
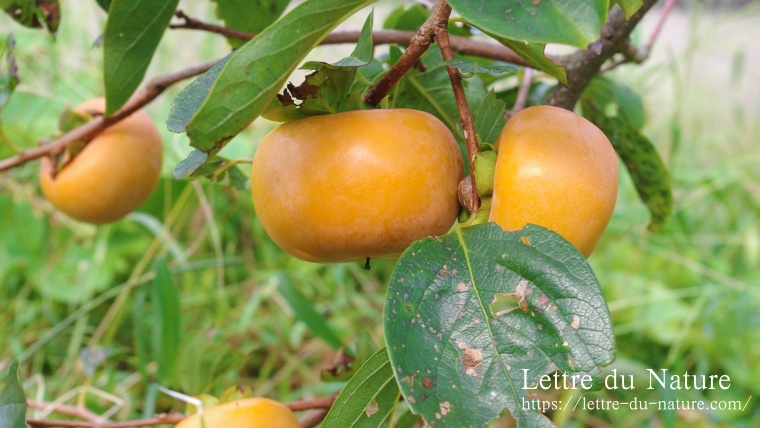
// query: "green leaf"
[[104, 4], [250, 16], [330, 89], [12, 400], [412, 17], [132, 33], [369, 398], [489, 118], [611, 94], [167, 320], [34, 13], [533, 53], [257, 70], [575, 23], [362, 53], [190, 99], [8, 72], [471, 67], [430, 91], [629, 6], [218, 169], [190, 164], [306, 312], [467, 313], [619, 119]]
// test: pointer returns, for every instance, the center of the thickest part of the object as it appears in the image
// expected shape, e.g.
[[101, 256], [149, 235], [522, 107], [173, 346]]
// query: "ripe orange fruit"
[[244, 413], [357, 184], [557, 170], [114, 173]]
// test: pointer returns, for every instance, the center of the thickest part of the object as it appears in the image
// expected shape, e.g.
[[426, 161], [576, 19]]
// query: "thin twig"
[[78, 412], [87, 131], [418, 45], [314, 418], [524, 91], [633, 54], [164, 419], [194, 24], [465, 115]]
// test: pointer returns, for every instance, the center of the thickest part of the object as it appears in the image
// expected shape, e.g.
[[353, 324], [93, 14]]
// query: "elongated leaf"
[[610, 108], [190, 99], [467, 314], [250, 16], [305, 312], [253, 75], [166, 320], [534, 54], [568, 22], [629, 6], [34, 13], [12, 400], [192, 163], [489, 118], [133, 30], [362, 53], [369, 397], [471, 67]]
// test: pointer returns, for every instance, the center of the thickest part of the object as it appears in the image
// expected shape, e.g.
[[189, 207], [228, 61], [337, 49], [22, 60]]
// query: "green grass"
[[78, 306]]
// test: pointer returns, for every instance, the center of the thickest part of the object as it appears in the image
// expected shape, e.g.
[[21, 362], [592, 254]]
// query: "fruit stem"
[[465, 115]]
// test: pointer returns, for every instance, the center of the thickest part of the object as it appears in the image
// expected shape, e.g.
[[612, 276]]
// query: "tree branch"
[[418, 45], [465, 115], [583, 65]]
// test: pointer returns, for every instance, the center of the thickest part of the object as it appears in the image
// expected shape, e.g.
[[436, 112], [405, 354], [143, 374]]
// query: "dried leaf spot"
[[427, 383], [542, 299], [372, 408], [525, 240], [576, 322], [471, 358], [462, 287], [445, 408]]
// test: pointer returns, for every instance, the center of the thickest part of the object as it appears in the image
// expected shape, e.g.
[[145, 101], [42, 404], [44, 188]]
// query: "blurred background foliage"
[[192, 285]]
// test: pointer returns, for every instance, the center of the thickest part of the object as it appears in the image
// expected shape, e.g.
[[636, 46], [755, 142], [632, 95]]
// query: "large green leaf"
[[617, 111], [104, 4], [568, 22], [250, 16], [255, 73], [133, 30], [34, 13], [534, 54], [468, 313], [12, 400], [369, 398]]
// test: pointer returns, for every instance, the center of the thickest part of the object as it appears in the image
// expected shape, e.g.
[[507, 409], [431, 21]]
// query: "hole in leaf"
[[503, 304]]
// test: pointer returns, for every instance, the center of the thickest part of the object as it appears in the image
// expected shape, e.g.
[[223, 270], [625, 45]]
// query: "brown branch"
[[163, 419], [194, 24], [314, 418], [583, 65], [88, 131], [465, 115], [418, 45], [312, 403], [78, 412]]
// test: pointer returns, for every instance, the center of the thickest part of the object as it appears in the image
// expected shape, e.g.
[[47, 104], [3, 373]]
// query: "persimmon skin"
[[244, 413], [558, 170], [348, 186], [113, 175]]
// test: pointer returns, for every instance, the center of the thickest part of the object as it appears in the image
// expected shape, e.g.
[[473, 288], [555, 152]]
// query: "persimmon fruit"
[[356, 185], [113, 175], [558, 170], [245, 413]]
